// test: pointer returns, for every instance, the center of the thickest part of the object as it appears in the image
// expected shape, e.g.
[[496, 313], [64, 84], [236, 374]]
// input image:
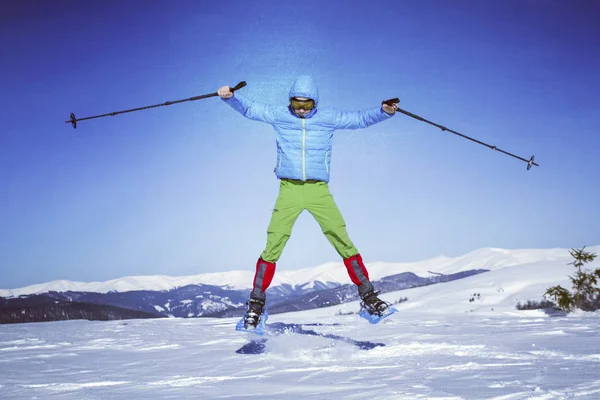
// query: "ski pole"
[[74, 120], [443, 128]]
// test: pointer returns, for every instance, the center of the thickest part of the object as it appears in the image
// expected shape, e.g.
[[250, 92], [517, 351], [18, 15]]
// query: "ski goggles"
[[306, 105]]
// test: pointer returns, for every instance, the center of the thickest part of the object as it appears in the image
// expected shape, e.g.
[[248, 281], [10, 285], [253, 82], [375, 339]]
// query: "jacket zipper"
[[303, 150], [326, 156]]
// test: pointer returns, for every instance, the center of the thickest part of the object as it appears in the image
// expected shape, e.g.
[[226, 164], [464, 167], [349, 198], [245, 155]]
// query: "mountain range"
[[224, 294]]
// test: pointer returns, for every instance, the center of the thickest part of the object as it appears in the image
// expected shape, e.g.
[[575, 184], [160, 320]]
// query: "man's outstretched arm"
[[249, 109], [362, 119]]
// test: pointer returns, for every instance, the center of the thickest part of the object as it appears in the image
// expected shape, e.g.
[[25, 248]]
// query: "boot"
[[252, 316], [373, 304]]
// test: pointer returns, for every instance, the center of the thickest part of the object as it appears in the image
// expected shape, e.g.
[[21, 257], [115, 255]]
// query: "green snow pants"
[[296, 196]]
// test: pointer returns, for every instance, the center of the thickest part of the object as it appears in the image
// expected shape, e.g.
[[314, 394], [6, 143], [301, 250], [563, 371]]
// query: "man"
[[304, 134]]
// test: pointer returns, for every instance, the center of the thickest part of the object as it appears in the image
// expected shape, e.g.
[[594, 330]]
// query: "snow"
[[159, 308], [232, 279], [487, 258], [438, 346], [460, 356], [227, 301]]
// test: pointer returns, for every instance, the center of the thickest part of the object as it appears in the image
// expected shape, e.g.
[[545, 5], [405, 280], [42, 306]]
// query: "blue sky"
[[189, 188]]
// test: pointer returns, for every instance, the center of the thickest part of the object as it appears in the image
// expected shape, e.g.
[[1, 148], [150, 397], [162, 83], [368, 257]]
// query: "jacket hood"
[[305, 86]]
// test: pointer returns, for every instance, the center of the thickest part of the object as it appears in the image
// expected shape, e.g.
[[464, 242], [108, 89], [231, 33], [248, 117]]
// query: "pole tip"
[[530, 163], [73, 121]]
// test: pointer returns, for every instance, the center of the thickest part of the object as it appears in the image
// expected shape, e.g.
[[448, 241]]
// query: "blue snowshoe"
[[255, 318], [373, 309]]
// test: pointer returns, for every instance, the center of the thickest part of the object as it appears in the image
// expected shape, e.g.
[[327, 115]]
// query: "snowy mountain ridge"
[[333, 272]]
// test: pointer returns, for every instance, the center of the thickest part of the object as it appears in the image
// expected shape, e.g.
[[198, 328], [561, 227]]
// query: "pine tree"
[[586, 295]]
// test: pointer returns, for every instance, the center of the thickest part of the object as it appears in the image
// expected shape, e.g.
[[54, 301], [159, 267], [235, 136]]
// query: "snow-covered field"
[[467, 356], [458, 340]]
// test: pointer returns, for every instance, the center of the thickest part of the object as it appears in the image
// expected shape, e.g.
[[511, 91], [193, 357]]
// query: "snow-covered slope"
[[438, 346], [488, 258], [497, 291]]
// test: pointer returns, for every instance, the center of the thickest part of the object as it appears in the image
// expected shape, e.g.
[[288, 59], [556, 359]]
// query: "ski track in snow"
[[470, 356]]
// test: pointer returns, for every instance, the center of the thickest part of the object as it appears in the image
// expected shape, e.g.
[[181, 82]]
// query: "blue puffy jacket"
[[304, 144]]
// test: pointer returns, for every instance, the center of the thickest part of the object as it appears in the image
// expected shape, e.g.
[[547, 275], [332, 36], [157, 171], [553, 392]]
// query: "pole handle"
[[238, 86]]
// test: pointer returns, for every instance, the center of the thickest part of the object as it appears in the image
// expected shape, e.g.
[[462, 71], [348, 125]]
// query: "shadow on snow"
[[258, 346]]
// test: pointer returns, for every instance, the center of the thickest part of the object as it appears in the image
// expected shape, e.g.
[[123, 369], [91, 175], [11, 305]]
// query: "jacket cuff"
[[385, 113]]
